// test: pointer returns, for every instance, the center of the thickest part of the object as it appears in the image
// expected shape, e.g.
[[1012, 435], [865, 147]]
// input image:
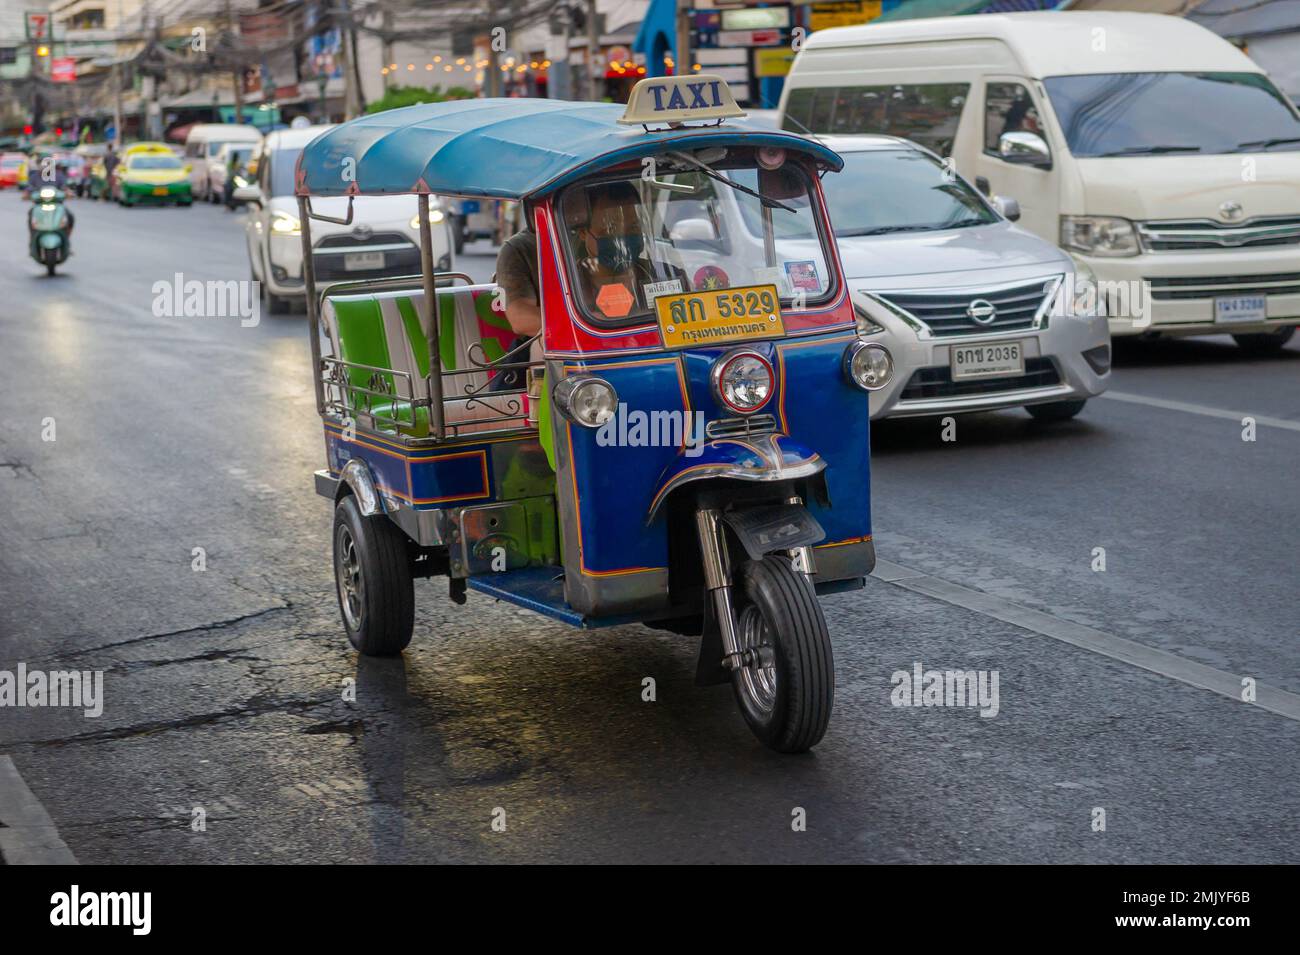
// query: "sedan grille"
[[949, 313], [929, 383]]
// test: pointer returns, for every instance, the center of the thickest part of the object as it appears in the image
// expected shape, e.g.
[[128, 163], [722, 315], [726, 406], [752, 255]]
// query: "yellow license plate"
[[699, 319], [160, 190]]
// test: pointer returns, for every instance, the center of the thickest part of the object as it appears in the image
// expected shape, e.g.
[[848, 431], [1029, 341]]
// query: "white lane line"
[[28, 836], [1206, 410], [1162, 662]]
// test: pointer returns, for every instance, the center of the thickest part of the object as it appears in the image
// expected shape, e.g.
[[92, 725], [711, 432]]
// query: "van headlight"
[[284, 224], [1108, 236], [868, 365], [742, 381], [586, 400], [435, 216]]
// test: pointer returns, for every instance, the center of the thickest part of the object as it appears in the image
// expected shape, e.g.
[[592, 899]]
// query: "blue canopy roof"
[[502, 148]]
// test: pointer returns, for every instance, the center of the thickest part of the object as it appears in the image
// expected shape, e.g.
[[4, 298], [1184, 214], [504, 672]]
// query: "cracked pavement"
[[225, 688]]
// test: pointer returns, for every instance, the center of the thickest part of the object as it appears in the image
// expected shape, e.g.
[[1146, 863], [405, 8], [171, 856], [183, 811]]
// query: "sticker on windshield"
[[803, 275], [614, 300], [654, 289], [709, 278]]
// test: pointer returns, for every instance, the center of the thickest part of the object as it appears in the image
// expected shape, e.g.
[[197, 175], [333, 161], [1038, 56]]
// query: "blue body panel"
[[615, 486], [502, 148], [541, 590], [424, 479]]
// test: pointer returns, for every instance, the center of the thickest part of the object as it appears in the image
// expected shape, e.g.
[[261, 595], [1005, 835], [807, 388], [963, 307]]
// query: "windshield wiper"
[[1140, 150], [1266, 143], [708, 171], [883, 230], [966, 223]]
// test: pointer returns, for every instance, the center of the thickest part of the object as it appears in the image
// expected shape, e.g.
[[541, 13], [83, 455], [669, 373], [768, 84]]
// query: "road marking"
[[1162, 662], [28, 836], [1200, 409]]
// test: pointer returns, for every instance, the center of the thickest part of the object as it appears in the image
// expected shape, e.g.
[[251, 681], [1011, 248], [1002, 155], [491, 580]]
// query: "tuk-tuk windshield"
[[677, 227]]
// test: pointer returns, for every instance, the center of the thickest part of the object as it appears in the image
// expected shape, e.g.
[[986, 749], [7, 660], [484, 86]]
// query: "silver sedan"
[[977, 313]]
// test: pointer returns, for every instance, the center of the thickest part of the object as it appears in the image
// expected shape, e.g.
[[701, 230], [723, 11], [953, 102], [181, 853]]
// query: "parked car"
[[13, 170], [382, 239], [977, 313], [1151, 148], [204, 142]]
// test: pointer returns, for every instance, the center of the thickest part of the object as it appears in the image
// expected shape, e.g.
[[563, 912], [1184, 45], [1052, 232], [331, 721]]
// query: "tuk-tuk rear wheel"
[[787, 687], [372, 576]]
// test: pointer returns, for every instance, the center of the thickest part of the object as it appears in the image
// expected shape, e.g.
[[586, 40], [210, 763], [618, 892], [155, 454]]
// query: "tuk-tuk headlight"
[[586, 400], [868, 365], [742, 381]]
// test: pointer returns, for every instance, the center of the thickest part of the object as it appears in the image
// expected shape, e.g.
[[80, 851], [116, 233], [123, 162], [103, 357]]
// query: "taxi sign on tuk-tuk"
[[680, 99]]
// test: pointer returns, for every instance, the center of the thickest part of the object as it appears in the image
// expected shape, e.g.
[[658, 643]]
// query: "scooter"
[[50, 227]]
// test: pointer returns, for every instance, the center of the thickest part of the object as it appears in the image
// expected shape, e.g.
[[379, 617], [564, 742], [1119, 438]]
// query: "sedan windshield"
[[900, 190], [1135, 114], [155, 162], [687, 226]]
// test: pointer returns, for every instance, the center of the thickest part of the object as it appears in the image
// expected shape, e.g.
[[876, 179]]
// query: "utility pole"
[[682, 61], [238, 69], [594, 70], [347, 33], [388, 44]]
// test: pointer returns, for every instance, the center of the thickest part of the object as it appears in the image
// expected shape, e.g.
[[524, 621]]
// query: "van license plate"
[[362, 261], [986, 361], [1241, 308]]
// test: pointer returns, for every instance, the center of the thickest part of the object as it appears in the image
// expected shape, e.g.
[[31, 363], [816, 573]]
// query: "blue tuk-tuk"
[[685, 443]]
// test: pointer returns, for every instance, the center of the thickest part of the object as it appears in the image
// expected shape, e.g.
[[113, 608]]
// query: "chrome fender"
[[356, 475], [758, 457]]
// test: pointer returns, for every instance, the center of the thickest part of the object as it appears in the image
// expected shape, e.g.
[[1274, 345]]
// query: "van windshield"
[[682, 228], [1140, 114], [899, 190]]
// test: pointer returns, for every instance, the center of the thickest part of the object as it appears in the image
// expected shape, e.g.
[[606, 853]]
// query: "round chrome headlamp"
[[743, 381], [868, 365], [586, 400]]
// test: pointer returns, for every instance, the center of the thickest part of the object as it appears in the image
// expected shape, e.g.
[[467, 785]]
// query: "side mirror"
[[1008, 207], [1024, 149], [693, 230]]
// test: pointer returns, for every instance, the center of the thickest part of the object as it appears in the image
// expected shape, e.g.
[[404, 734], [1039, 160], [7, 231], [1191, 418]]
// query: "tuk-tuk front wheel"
[[786, 686], [372, 574]]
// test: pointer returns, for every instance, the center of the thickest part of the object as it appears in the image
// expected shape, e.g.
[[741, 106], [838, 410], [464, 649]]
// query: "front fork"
[[717, 580]]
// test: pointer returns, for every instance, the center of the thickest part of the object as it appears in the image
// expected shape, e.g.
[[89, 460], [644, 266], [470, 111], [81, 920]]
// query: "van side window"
[[1008, 108], [926, 113]]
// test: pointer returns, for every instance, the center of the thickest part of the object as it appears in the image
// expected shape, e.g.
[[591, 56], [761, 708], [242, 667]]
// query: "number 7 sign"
[[38, 26]]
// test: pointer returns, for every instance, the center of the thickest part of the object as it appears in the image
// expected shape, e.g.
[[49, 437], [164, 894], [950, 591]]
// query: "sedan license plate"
[[362, 261], [160, 190], [986, 361], [698, 319], [1241, 308]]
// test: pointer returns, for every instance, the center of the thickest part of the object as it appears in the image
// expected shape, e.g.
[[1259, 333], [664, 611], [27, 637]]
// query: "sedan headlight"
[[586, 400], [1099, 235], [742, 381], [435, 216], [1080, 290], [284, 224], [868, 365]]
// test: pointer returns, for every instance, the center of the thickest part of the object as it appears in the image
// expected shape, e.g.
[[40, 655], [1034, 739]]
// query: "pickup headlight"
[[284, 224], [1099, 235]]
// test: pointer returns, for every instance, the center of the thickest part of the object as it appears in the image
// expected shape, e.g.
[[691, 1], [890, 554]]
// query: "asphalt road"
[[223, 687]]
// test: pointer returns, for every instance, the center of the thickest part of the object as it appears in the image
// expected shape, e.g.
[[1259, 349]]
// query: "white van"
[[202, 144], [1148, 147]]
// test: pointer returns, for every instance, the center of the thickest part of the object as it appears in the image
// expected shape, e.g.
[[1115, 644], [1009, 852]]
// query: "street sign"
[[63, 69], [38, 25]]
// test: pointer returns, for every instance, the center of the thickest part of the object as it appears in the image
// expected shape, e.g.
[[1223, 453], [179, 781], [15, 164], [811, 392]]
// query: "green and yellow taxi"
[[151, 173]]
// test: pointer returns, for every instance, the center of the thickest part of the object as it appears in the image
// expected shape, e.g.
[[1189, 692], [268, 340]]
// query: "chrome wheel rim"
[[347, 572], [757, 680]]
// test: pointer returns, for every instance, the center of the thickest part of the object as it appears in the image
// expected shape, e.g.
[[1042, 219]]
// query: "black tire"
[[373, 581], [275, 305], [1265, 343], [1057, 410], [49, 268], [789, 707]]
